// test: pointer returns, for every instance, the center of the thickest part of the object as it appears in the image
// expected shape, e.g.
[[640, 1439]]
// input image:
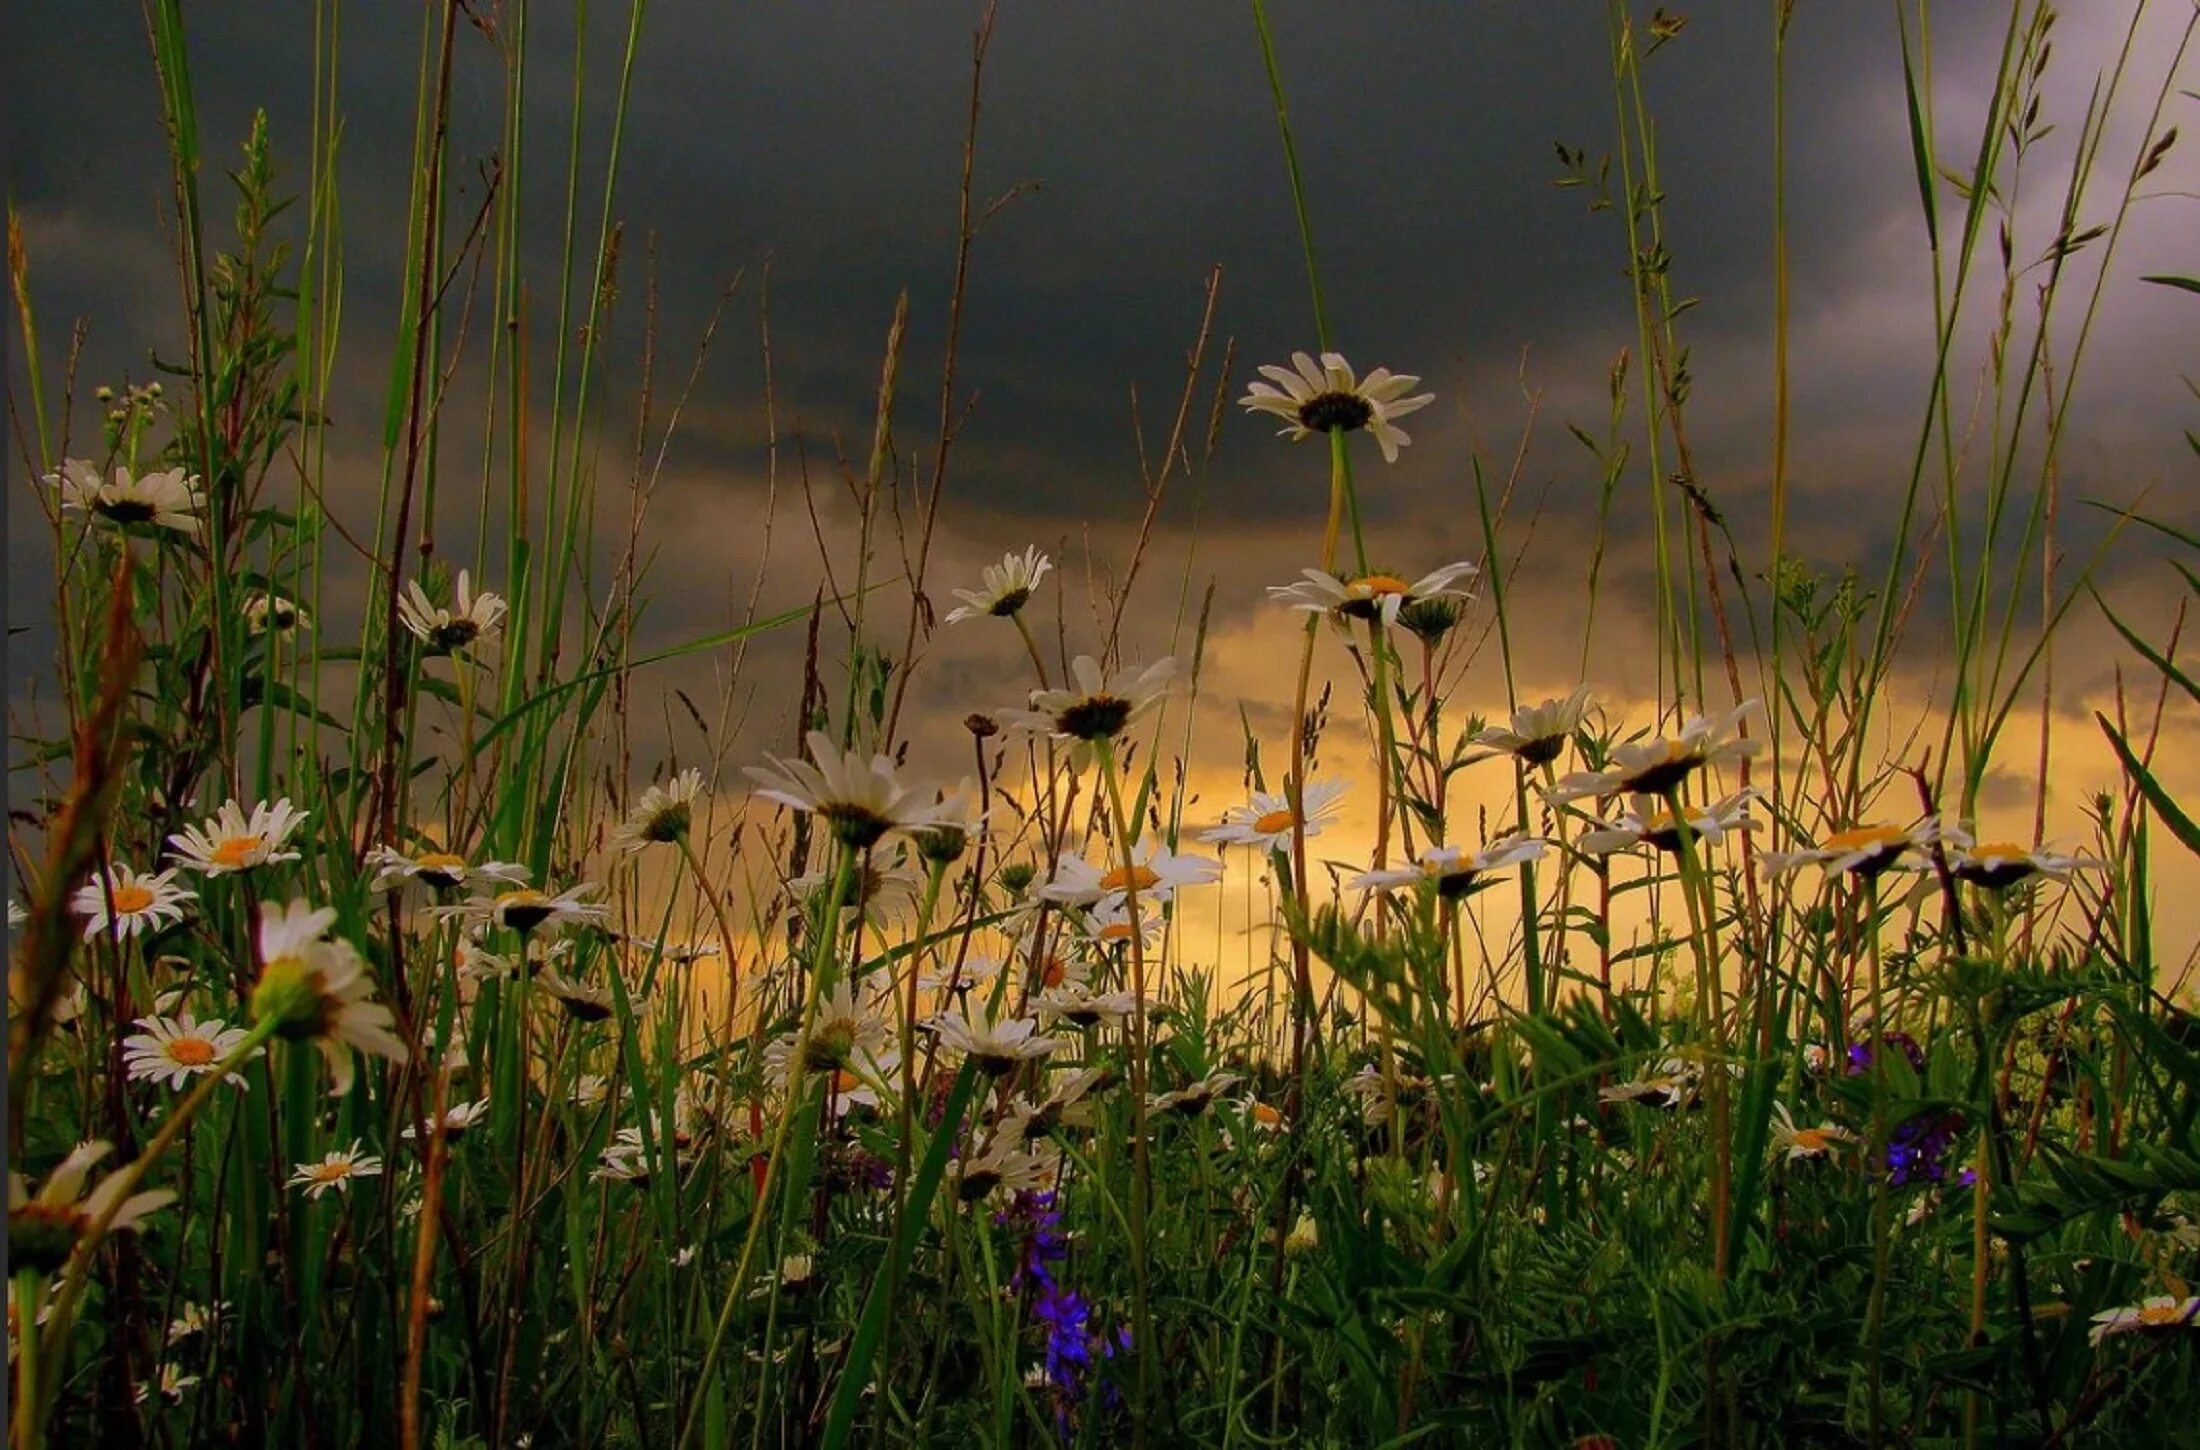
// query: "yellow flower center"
[[1373, 584], [442, 861], [1864, 838], [336, 1170], [1054, 973], [131, 898], [1993, 851], [1813, 1140], [1266, 1116], [237, 851], [1115, 931], [1122, 878], [190, 1051], [1275, 821], [2160, 1314]]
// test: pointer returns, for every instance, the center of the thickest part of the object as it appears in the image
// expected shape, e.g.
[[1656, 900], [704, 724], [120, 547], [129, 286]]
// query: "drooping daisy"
[[469, 620], [43, 1230], [972, 971], [582, 1002], [997, 1047], [524, 909], [1653, 767], [1863, 851], [662, 815], [336, 1171], [176, 1050], [856, 795], [457, 1118], [318, 990], [1267, 821], [1538, 733], [1195, 1097], [1008, 587], [1005, 1169], [959, 819], [1080, 1006], [1999, 865], [881, 893], [1673, 1084], [1649, 823], [1371, 596], [1798, 1143], [443, 870], [166, 500], [2159, 1311], [846, 1024], [273, 614], [1453, 871], [1095, 705], [233, 841], [1154, 872], [140, 903], [679, 954], [1326, 398]]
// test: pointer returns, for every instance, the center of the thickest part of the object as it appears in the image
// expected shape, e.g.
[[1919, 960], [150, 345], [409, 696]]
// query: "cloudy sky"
[[825, 139]]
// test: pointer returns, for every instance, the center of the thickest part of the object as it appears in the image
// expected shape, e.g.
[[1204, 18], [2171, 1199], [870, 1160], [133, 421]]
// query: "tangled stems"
[[36, 1379], [1703, 942], [1875, 1314], [822, 960], [1140, 1171]]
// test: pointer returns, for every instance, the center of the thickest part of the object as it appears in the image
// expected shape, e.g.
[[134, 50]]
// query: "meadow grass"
[[472, 1067]]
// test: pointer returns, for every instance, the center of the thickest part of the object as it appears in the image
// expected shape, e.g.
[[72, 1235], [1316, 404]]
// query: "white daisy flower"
[[1538, 733], [1326, 397], [1453, 870], [176, 1050], [1861, 850], [857, 795], [1008, 587], [1999, 865], [1194, 1098], [232, 841], [273, 614], [997, 1047], [1080, 1006], [336, 1171], [1649, 823], [1096, 705], [193, 1319], [867, 1077], [172, 1383], [43, 1230], [1109, 923], [1672, 1085], [319, 991], [2159, 1311], [1003, 1169], [662, 815], [140, 903], [881, 893], [524, 909], [846, 1025], [444, 870], [581, 1001], [1371, 596], [1267, 821], [1798, 1143], [1154, 872], [469, 620], [971, 972], [457, 1118], [166, 500], [1653, 767]]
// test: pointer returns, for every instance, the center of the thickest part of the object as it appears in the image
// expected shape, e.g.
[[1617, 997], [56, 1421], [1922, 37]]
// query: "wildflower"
[[1196, 1097], [680, 954], [960, 820], [1097, 706], [179, 1049], [171, 1384], [1327, 398], [1997, 866], [857, 795], [1653, 767], [960, 976], [318, 990], [1008, 587], [845, 1025], [232, 841], [336, 1170], [1110, 923], [662, 814], [443, 870], [1001, 1168], [1429, 619], [1154, 872], [457, 1118], [273, 614], [44, 1230], [1080, 1006], [868, 1074], [1648, 822], [192, 1319], [997, 1047], [1538, 733], [1304, 1237], [1452, 870], [471, 618], [526, 910], [2159, 1311], [130, 903], [879, 893], [1798, 1143], [1918, 1147], [1269, 819], [583, 1003], [1863, 851], [1371, 596], [1673, 1084], [166, 500]]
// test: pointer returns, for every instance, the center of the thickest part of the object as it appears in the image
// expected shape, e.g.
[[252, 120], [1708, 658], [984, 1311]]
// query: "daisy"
[[583, 1003], [997, 1047], [1194, 1098], [336, 1171], [1154, 873], [1097, 705], [524, 909], [1327, 398], [140, 903], [1110, 924], [1539, 733], [179, 1049], [1080, 1006], [1008, 587], [472, 618], [857, 795], [1863, 851], [457, 1118], [880, 893], [1267, 821], [867, 1075], [1371, 596], [970, 972], [1452, 870], [2160, 1311], [1673, 1084], [192, 1319], [662, 814], [232, 841], [1799, 1143], [1999, 865], [680, 954], [318, 990], [1649, 823], [1004, 1169], [960, 818], [444, 870], [1653, 767], [43, 1230], [165, 500], [173, 1382], [845, 1025], [273, 614]]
